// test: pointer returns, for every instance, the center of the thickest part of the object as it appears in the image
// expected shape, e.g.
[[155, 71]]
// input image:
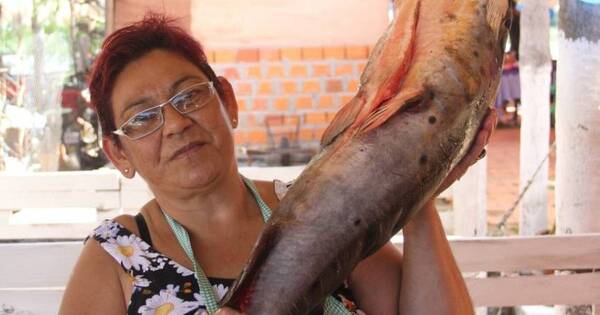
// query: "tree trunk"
[[577, 121], [535, 66]]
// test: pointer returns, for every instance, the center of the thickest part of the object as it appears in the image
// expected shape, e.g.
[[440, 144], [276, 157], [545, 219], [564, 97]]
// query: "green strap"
[[206, 290], [331, 306]]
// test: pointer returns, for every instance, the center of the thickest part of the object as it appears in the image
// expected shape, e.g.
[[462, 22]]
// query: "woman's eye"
[[144, 117], [186, 100]]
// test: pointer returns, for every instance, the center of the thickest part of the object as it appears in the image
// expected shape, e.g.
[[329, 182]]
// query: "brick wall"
[[289, 87]]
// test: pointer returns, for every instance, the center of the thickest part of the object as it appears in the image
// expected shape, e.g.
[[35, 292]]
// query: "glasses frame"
[[211, 86]]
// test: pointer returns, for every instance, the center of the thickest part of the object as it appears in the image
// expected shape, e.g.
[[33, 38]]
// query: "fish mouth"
[[186, 148]]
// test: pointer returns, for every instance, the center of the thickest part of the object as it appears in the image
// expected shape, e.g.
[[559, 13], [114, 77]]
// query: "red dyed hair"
[[129, 43]]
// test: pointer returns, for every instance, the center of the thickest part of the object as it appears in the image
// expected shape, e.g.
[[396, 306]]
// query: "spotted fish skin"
[[423, 95]]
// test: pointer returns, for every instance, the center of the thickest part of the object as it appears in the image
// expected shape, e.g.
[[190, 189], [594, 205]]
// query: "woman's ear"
[[229, 101], [114, 152]]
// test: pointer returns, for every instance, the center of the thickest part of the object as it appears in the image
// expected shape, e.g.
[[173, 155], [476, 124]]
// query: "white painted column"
[[578, 122], [535, 66], [469, 203]]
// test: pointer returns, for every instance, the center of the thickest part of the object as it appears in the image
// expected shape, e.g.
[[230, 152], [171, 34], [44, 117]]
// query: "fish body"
[[424, 92]]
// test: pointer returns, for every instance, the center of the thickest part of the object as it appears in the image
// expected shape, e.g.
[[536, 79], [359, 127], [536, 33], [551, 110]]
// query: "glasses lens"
[[192, 98], [143, 123]]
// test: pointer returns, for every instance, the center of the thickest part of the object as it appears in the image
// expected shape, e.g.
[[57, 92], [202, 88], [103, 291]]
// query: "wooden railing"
[[33, 275], [531, 270], [104, 190]]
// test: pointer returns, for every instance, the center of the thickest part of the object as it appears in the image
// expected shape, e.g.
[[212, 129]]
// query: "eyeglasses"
[[149, 120]]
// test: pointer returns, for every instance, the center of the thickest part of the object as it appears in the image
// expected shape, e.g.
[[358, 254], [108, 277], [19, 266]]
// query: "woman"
[[184, 149]]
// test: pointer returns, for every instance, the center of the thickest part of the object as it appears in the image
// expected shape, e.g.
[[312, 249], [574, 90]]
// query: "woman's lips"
[[186, 148]]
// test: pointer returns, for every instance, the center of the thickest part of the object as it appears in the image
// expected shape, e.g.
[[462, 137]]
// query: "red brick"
[[265, 87], [292, 120], [281, 103], [329, 116], [247, 55], [243, 88], [240, 137], [254, 72], [321, 70], [343, 69], [352, 85], [289, 87], [275, 120], [258, 137], [210, 56], [276, 71], [231, 73], [334, 86], [307, 134], [357, 52], [326, 101], [345, 99], [252, 121], [315, 118], [241, 103], [291, 54], [312, 53], [319, 132], [299, 70], [269, 54], [303, 102], [337, 52], [225, 56], [311, 86], [259, 103]]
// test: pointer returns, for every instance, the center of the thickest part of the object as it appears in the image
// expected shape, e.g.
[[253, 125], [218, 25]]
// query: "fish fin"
[[342, 120], [383, 75], [404, 100]]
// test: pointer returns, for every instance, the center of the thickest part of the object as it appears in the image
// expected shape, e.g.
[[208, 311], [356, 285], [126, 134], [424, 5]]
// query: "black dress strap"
[[143, 228]]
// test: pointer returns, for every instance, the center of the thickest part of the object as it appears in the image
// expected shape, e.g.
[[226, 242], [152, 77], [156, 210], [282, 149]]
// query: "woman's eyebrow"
[[137, 102], [175, 86]]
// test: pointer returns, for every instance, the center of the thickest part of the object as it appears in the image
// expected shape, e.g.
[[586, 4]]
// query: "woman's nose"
[[175, 122]]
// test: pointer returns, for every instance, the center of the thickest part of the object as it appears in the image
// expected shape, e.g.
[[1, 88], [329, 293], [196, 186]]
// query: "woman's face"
[[189, 151]]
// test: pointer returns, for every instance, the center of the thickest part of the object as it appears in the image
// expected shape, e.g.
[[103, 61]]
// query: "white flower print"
[[107, 230], [140, 281], [220, 291], [128, 251], [200, 299], [166, 303], [180, 269]]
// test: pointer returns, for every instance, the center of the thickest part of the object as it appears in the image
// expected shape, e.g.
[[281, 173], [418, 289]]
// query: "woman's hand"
[[476, 152], [227, 311]]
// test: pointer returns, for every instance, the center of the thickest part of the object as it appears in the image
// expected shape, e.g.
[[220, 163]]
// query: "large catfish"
[[425, 91]]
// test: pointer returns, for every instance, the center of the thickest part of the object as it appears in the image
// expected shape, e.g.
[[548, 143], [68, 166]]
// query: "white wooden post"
[[535, 66], [469, 204], [578, 120]]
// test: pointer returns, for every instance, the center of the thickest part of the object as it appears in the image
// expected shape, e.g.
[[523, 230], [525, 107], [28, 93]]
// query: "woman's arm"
[[94, 286], [432, 282], [425, 281]]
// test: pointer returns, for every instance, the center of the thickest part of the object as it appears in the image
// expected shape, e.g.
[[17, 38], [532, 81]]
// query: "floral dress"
[[161, 285]]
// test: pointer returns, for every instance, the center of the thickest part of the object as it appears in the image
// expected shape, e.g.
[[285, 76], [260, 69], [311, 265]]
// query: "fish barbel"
[[427, 87]]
